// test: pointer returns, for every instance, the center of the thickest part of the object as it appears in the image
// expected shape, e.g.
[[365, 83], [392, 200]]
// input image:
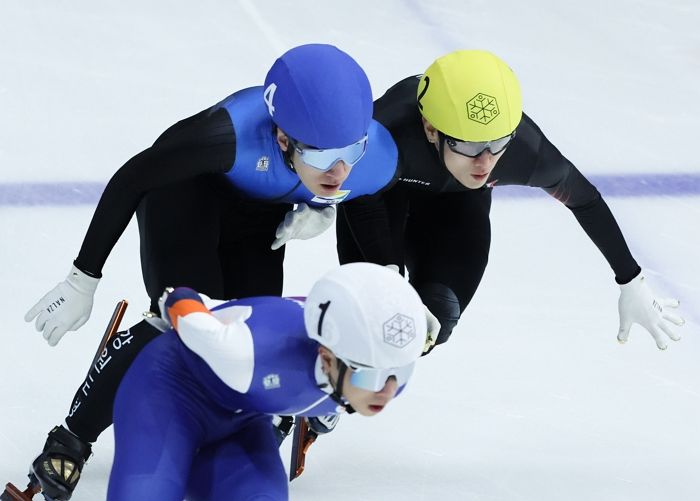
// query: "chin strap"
[[441, 149], [337, 395]]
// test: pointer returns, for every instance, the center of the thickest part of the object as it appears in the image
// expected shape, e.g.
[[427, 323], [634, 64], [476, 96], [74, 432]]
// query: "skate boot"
[[282, 426], [321, 425], [58, 467]]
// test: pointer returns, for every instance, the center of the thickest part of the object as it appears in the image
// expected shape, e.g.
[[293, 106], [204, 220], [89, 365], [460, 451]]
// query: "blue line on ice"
[[26, 194]]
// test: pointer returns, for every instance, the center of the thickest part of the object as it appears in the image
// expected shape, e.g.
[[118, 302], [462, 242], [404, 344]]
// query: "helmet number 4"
[[268, 95]]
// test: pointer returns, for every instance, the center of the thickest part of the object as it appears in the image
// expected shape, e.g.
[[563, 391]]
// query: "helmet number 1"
[[324, 309], [268, 95]]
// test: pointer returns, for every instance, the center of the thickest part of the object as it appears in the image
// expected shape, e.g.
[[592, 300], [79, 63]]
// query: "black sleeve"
[[535, 161], [364, 229], [202, 144], [599, 224]]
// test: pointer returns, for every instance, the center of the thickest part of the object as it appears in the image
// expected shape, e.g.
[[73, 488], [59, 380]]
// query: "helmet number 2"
[[422, 93], [268, 95]]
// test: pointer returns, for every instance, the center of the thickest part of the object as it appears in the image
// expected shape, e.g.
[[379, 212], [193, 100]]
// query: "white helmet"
[[367, 315]]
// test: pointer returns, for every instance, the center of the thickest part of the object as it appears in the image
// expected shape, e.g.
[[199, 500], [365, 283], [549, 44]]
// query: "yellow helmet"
[[471, 95]]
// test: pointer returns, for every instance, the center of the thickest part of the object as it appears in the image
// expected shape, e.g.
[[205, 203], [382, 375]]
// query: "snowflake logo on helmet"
[[399, 330], [482, 108]]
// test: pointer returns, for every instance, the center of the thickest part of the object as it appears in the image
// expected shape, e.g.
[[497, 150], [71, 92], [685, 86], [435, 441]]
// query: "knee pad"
[[444, 304]]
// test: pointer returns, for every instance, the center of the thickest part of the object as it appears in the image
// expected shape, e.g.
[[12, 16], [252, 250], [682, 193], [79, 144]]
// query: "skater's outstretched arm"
[[202, 144]]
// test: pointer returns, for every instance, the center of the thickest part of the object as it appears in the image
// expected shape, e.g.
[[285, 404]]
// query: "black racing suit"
[[440, 230], [194, 230]]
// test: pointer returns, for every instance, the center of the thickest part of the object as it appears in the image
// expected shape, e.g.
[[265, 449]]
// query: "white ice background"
[[532, 398]]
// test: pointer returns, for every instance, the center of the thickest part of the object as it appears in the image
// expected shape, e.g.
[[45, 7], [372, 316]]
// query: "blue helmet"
[[319, 96]]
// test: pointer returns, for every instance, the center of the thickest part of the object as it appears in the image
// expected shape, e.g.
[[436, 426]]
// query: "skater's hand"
[[303, 223], [64, 308], [638, 305], [163, 308], [433, 330]]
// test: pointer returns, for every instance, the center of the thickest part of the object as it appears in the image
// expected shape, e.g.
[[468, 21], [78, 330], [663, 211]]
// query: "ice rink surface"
[[532, 398]]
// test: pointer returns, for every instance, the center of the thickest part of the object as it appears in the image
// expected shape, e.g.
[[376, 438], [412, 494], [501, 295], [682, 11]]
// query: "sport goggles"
[[473, 149], [372, 379], [324, 160]]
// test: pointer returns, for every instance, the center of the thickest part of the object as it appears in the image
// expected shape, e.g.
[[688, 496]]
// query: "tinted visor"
[[374, 379], [473, 149], [324, 160]]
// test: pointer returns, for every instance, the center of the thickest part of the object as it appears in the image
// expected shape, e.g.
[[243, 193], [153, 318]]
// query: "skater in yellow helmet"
[[471, 103], [460, 131]]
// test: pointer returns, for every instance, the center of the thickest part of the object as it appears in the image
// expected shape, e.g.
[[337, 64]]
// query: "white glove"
[[64, 308], [431, 320], [164, 317], [433, 330], [303, 223], [637, 304]]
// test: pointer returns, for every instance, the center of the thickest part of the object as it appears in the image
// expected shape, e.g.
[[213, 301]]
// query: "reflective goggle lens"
[[375, 379], [474, 149], [325, 159]]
